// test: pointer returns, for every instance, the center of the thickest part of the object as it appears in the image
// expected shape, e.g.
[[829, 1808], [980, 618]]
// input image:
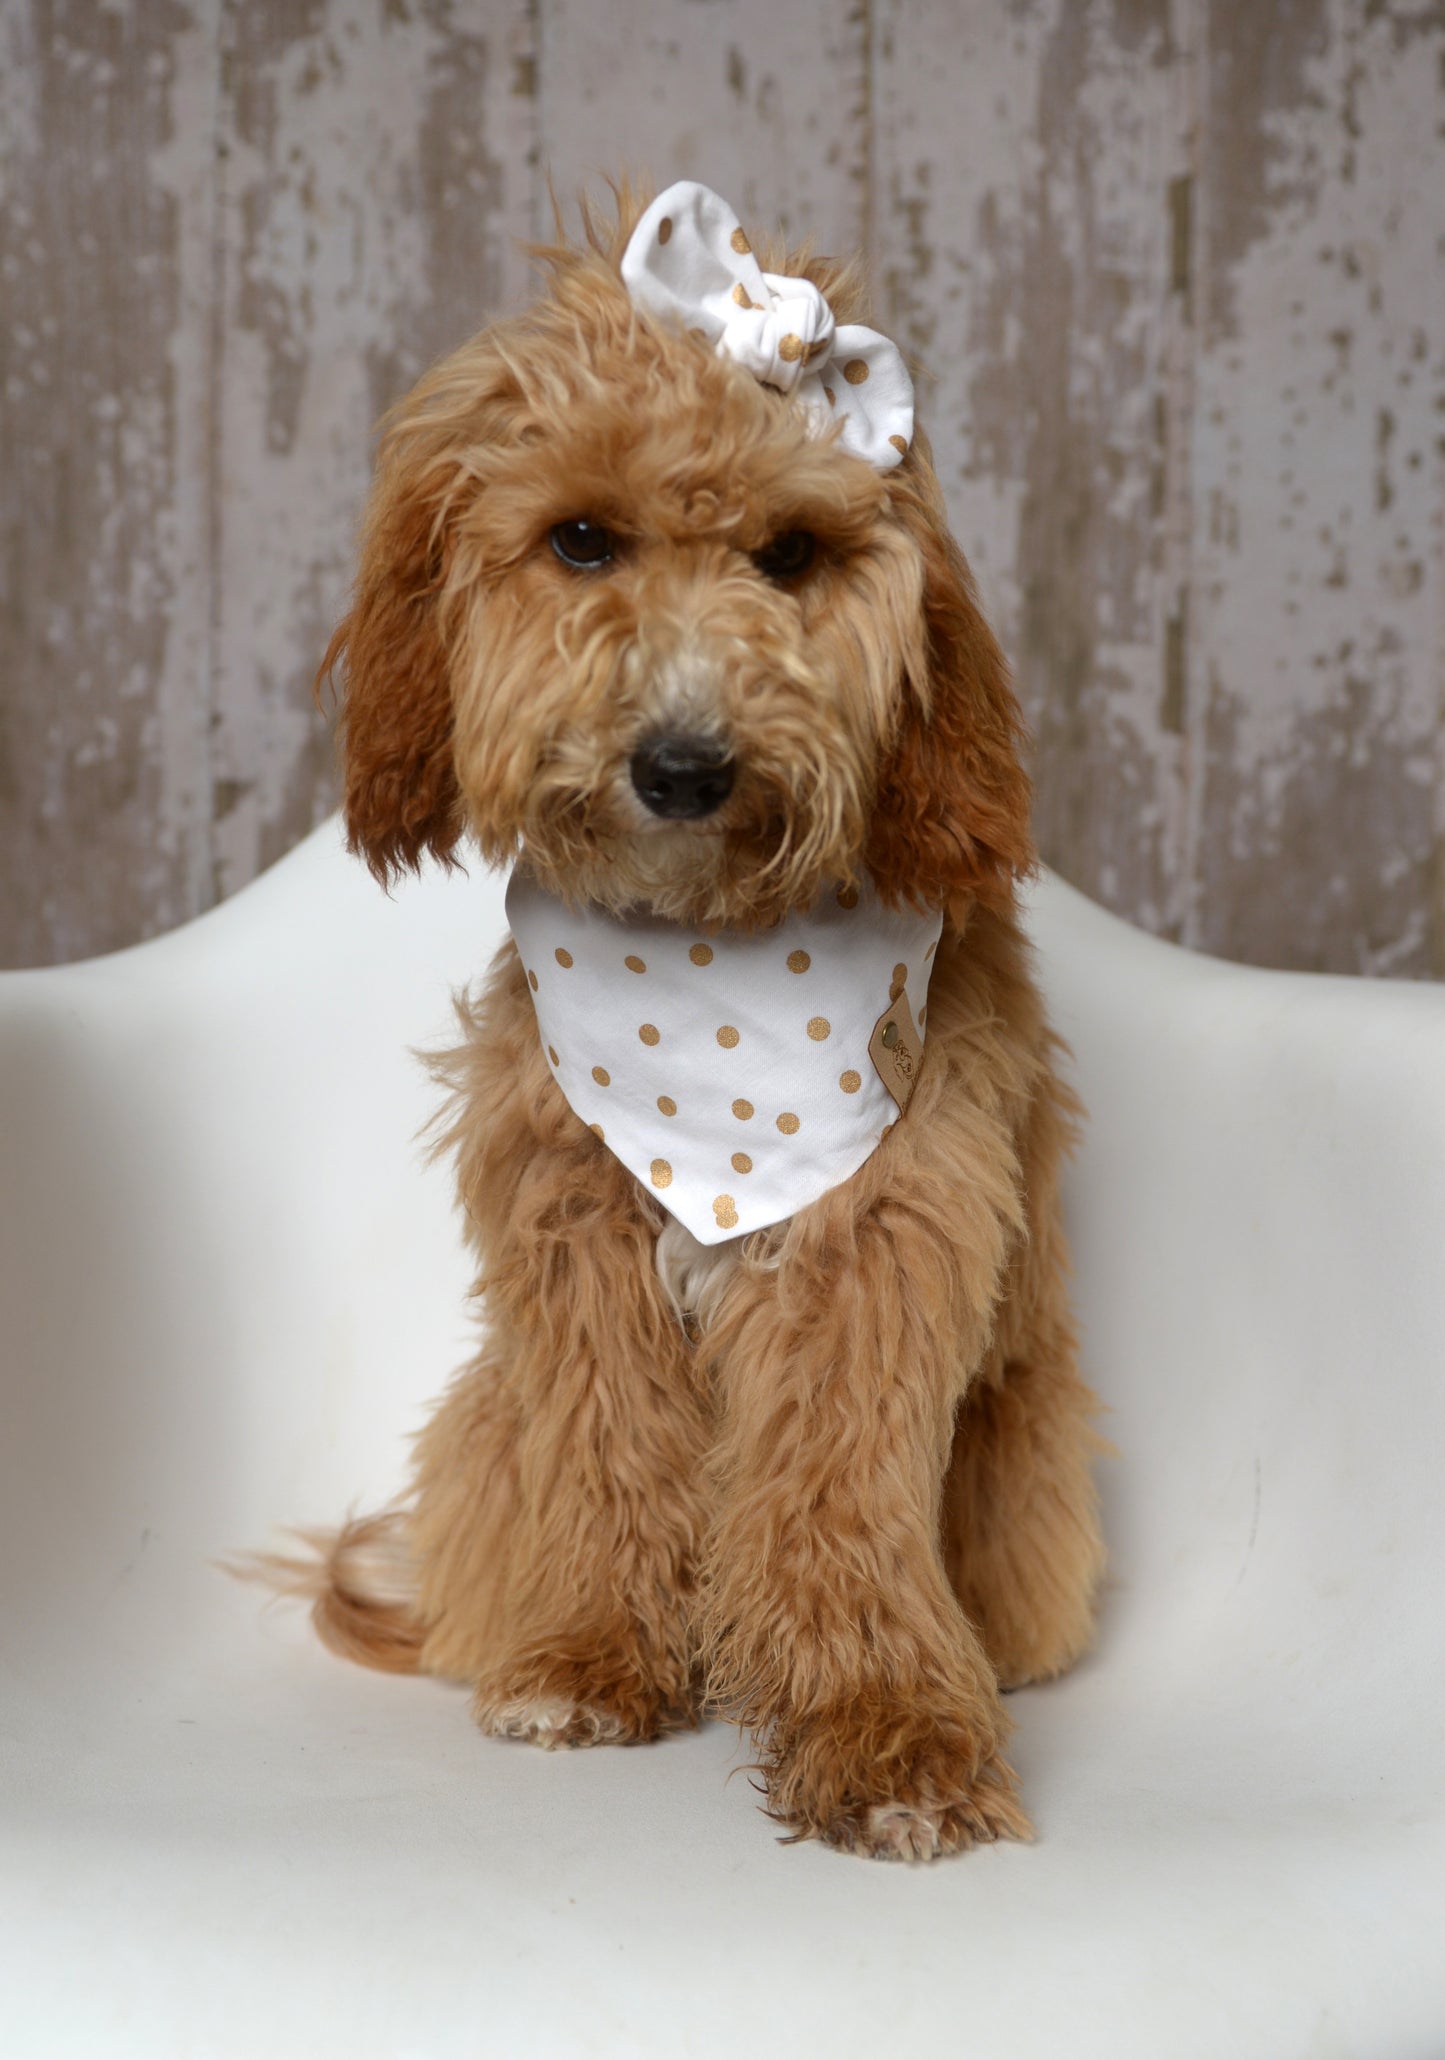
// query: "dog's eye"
[[581, 542], [788, 554]]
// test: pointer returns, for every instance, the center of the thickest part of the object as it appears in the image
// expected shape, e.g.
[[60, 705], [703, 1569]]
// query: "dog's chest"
[[694, 1276], [739, 1076]]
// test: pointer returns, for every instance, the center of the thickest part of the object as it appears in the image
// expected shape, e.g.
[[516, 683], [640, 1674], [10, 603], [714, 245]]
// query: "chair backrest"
[[1258, 1224], [229, 1279], [231, 1283]]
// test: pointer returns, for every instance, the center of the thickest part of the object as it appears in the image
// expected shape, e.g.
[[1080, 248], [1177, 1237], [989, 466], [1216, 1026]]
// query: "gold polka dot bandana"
[[689, 262], [732, 1074]]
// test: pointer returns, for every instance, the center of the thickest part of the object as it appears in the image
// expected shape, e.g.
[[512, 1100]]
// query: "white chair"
[[229, 1286]]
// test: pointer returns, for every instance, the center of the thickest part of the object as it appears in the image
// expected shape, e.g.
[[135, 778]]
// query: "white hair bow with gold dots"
[[689, 261]]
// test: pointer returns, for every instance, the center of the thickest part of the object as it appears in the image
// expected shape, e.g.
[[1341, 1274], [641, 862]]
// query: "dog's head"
[[619, 605]]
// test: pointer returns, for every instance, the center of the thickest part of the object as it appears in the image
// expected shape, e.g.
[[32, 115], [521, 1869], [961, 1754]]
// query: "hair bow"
[[688, 260]]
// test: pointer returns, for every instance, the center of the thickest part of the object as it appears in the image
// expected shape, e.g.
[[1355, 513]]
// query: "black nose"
[[682, 777]]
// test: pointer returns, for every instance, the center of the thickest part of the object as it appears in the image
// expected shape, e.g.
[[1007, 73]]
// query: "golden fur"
[[849, 1497]]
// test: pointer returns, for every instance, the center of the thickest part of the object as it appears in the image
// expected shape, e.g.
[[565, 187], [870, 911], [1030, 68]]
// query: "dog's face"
[[618, 608]]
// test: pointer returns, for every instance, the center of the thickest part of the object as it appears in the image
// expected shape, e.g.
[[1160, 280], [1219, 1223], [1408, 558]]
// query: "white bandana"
[[689, 261], [739, 1076]]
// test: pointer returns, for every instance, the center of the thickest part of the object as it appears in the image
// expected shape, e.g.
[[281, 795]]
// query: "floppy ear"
[[402, 797], [951, 820], [401, 793]]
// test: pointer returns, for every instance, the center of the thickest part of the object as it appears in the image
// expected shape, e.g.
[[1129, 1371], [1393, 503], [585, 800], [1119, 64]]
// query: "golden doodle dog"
[[756, 1118]]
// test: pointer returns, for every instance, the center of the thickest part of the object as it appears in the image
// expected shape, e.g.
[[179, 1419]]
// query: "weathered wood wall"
[[1175, 268]]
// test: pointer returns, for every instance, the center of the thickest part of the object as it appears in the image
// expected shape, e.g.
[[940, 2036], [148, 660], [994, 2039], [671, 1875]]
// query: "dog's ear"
[[401, 798], [951, 820], [401, 795]]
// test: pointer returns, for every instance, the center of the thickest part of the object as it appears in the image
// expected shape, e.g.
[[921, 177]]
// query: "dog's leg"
[[558, 1500], [1021, 1518], [831, 1626], [1021, 1523], [558, 1495], [558, 1512]]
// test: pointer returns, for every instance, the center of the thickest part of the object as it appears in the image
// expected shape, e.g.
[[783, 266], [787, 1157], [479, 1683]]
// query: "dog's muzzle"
[[682, 778]]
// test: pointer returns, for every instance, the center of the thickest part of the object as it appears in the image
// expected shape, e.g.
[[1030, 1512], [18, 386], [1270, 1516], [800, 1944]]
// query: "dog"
[[650, 611]]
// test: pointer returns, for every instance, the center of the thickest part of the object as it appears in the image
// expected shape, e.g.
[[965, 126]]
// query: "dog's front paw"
[[899, 1786], [565, 1702], [550, 1721], [985, 1809]]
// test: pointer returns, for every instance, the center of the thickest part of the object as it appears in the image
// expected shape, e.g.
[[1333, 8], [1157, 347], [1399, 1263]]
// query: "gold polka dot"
[[727, 1037], [664, 229], [847, 897], [900, 444], [740, 243], [895, 990], [635, 964], [563, 958], [667, 1105], [798, 962], [552, 1054], [701, 954], [743, 1111], [818, 1028], [740, 295], [742, 1163], [931, 949], [790, 349], [649, 1033], [601, 1075], [788, 1123], [661, 1173], [726, 1211], [900, 972], [598, 1132], [850, 1082], [832, 397], [855, 371], [532, 979]]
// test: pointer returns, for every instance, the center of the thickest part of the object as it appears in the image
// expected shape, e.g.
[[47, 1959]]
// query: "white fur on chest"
[[695, 1276]]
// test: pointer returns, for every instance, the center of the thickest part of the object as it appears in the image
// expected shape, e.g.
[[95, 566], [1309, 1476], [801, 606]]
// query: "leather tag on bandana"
[[896, 1050]]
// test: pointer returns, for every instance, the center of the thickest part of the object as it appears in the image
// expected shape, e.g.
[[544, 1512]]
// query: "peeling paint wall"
[[1319, 488], [1174, 269]]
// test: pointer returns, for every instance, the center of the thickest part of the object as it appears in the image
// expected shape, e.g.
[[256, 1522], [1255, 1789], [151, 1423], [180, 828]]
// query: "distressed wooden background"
[[1176, 270]]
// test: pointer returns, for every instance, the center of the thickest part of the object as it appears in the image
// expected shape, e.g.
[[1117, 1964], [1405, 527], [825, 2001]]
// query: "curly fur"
[[849, 1494]]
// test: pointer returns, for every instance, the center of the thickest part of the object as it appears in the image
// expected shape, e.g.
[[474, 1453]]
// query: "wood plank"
[[1024, 162], [1321, 620], [1174, 267], [766, 104], [379, 164], [105, 212]]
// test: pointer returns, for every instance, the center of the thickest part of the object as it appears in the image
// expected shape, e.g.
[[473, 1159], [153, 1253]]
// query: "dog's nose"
[[682, 777]]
